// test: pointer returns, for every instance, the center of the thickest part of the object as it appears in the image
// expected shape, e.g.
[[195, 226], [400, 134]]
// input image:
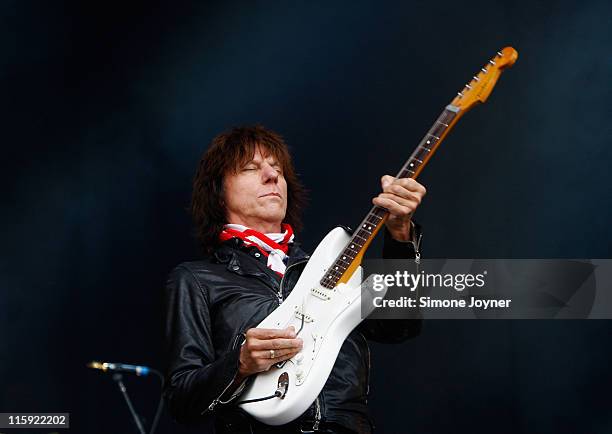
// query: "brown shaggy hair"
[[227, 153]]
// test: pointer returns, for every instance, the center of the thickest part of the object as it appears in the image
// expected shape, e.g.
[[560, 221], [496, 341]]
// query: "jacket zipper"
[[280, 295], [417, 246], [217, 400], [369, 366], [317, 421]]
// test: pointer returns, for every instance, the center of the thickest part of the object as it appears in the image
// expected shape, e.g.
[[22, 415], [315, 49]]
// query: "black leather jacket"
[[210, 303]]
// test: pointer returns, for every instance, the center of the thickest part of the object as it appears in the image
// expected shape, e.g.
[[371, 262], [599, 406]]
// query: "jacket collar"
[[243, 261]]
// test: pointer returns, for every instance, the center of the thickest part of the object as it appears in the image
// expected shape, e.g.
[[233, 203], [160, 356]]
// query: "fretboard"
[[349, 259]]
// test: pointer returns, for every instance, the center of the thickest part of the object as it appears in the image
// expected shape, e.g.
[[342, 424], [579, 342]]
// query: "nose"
[[269, 173]]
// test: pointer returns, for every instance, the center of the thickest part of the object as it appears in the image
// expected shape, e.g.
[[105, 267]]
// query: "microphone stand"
[[119, 380]]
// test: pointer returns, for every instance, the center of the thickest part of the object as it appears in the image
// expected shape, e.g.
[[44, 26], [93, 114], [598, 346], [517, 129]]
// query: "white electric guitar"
[[325, 304]]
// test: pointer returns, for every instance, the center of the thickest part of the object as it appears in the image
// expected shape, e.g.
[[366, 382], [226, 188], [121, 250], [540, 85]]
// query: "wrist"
[[401, 232]]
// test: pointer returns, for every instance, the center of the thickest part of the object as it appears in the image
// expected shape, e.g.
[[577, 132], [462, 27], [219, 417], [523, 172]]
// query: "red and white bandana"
[[274, 246]]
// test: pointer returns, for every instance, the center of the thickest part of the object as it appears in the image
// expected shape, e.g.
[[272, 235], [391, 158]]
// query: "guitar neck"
[[475, 92], [348, 261]]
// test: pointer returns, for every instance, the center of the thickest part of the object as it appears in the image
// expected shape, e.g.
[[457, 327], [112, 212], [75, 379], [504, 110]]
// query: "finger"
[[386, 180], [407, 183], [266, 364], [393, 207], [412, 185], [260, 333], [281, 358], [275, 344], [410, 202], [277, 354], [404, 194], [285, 357]]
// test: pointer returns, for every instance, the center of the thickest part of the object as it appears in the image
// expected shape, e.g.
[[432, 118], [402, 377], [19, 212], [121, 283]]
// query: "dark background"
[[107, 106]]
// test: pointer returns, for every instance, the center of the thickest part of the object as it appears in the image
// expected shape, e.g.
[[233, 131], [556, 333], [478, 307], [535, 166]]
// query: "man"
[[246, 203]]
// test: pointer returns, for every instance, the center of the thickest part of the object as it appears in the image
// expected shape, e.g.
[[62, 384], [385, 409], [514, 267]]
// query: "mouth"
[[271, 195]]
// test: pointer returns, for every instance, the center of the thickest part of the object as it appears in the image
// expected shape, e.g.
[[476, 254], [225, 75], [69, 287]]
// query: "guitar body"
[[330, 315]]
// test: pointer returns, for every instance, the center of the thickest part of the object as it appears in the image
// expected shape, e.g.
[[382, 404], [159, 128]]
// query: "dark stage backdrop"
[[107, 106]]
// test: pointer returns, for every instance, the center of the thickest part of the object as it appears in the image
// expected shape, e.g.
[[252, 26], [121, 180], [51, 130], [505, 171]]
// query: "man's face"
[[256, 195]]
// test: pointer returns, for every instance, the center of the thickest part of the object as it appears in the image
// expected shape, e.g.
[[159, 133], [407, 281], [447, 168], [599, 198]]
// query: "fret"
[[347, 252], [364, 239], [361, 234], [437, 131], [337, 273], [343, 262], [373, 225], [434, 136], [405, 173], [369, 228], [330, 276], [419, 154], [375, 218], [447, 116]]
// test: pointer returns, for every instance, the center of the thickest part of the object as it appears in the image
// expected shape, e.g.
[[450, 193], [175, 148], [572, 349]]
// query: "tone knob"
[[299, 358], [299, 374]]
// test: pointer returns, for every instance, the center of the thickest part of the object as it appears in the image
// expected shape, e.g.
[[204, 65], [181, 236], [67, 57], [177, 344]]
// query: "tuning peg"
[[483, 70], [491, 62], [499, 53], [476, 78], [468, 86]]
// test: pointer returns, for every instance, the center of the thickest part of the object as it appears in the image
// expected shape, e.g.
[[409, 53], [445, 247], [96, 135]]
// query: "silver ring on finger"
[[272, 354]]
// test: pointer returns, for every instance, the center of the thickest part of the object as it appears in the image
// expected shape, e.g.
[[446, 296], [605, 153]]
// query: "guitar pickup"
[[323, 294], [299, 314]]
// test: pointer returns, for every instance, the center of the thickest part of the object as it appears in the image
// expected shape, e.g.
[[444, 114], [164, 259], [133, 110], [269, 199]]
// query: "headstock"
[[482, 84]]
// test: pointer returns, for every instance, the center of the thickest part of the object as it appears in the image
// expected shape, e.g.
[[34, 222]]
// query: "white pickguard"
[[327, 324]]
